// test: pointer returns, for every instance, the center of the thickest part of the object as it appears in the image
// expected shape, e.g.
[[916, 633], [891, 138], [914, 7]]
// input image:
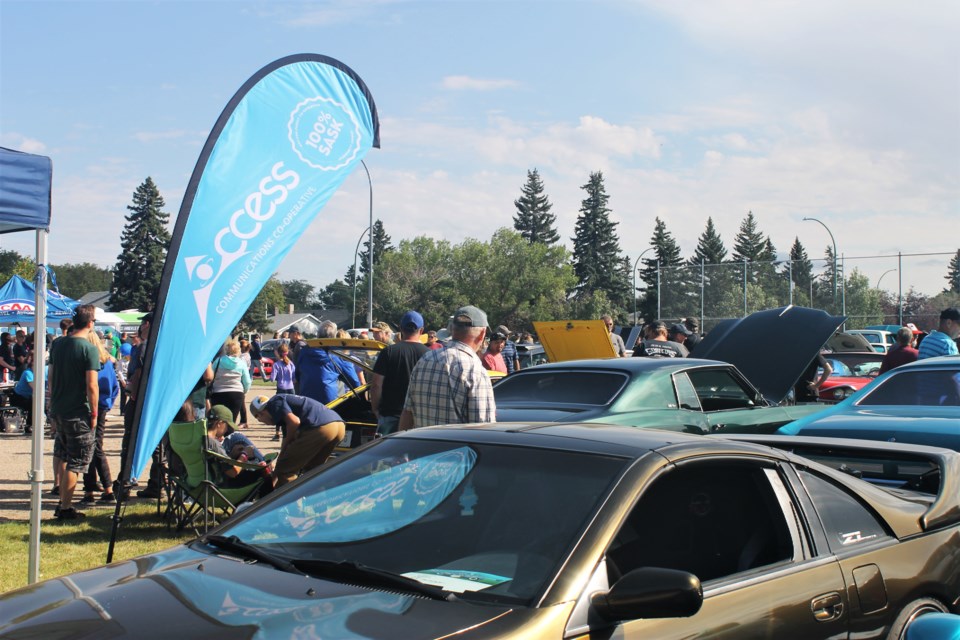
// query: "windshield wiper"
[[237, 546], [346, 570]]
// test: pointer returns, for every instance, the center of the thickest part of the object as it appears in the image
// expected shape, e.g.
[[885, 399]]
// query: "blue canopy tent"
[[18, 303], [25, 187]]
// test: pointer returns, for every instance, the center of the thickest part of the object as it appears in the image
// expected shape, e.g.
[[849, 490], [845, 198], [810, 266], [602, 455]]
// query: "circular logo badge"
[[324, 134]]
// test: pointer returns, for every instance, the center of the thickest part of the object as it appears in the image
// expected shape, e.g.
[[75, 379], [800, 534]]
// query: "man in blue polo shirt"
[[312, 432], [942, 342]]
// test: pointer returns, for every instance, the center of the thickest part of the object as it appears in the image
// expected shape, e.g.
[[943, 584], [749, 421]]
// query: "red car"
[[267, 364], [851, 372]]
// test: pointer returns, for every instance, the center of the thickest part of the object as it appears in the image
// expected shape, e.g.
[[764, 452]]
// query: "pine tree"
[[144, 243], [597, 262], [828, 284], [533, 219], [953, 274], [749, 245], [710, 249], [671, 278], [381, 245], [717, 275], [802, 270]]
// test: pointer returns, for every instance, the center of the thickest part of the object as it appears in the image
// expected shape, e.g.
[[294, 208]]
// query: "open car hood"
[[847, 342], [574, 339], [771, 348]]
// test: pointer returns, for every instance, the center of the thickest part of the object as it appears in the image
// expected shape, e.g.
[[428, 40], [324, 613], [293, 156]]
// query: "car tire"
[[912, 611]]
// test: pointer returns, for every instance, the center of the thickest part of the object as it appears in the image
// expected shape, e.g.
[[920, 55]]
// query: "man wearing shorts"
[[312, 432], [74, 392]]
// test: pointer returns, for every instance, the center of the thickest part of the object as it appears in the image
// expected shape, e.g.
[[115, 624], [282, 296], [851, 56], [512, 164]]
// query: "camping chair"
[[199, 490]]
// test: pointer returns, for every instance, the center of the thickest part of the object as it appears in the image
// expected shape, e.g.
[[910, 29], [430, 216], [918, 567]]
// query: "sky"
[[847, 112]]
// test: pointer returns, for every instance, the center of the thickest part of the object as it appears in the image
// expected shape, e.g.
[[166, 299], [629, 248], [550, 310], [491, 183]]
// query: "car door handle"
[[827, 607]]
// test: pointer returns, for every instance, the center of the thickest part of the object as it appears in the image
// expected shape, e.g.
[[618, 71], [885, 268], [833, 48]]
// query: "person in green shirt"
[[74, 393]]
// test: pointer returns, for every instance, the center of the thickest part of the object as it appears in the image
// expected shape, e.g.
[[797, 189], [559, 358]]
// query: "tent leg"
[[40, 347]]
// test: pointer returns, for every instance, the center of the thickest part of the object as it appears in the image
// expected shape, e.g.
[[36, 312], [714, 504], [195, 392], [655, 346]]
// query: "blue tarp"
[[17, 300], [24, 191]]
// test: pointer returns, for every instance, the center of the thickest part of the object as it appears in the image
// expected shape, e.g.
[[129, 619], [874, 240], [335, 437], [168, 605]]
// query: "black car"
[[548, 531]]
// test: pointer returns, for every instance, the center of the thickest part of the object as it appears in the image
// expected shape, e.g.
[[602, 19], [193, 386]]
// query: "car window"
[[561, 387], [491, 521], [686, 394], [923, 388], [847, 521], [839, 368], [710, 519], [718, 389]]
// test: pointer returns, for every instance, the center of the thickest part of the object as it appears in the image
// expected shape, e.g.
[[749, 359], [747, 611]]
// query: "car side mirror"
[[650, 592]]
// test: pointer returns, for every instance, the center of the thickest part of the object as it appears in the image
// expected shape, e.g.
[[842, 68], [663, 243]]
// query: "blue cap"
[[126, 349], [411, 321]]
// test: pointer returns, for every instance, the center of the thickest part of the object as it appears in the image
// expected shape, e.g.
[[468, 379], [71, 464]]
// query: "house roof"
[[96, 298]]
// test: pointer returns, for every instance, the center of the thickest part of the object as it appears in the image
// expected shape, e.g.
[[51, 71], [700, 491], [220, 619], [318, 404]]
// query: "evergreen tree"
[[533, 219], [672, 279], [597, 262], [144, 243], [802, 270], [718, 276], [710, 249], [381, 245], [827, 286], [953, 274], [749, 245]]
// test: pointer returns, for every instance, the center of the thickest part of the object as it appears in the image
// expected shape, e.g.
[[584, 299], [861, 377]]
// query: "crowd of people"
[[417, 380]]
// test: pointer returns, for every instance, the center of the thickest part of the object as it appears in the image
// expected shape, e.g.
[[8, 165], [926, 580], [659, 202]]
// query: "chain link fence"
[[869, 290]]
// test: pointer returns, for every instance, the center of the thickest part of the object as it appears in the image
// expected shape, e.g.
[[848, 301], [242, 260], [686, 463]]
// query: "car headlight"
[[840, 393]]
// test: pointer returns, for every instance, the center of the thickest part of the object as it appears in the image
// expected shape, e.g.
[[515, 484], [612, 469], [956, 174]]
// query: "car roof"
[[628, 365], [940, 362], [598, 438]]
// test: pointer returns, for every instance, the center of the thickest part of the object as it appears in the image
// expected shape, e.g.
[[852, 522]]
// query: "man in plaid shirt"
[[450, 385]]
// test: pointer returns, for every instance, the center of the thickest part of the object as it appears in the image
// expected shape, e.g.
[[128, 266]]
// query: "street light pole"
[[636, 262], [370, 253], [834, 259], [880, 279], [353, 318]]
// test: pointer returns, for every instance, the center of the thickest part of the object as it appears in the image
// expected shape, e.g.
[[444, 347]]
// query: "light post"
[[880, 279], [353, 318], [636, 262], [834, 259], [369, 253]]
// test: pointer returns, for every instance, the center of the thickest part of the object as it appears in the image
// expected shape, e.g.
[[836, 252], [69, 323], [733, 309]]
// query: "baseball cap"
[[504, 330], [470, 316], [220, 412], [912, 328], [951, 313], [411, 320], [256, 405], [680, 328]]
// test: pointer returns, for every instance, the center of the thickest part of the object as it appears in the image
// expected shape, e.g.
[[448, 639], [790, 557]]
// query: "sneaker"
[[55, 491], [148, 493], [108, 498], [70, 514], [275, 438], [88, 499]]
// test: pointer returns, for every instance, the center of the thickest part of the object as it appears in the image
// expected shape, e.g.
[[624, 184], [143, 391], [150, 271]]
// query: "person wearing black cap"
[[450, 386], [679, 333], [658, 346], [391, 373], [942, 341]]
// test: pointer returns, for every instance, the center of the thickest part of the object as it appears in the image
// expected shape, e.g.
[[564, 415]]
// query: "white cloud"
[[153, 136], [19, 142], [466, 83]]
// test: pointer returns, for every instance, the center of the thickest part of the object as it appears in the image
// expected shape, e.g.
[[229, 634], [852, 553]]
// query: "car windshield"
[[485, 522], [933, 388], [597, 388]]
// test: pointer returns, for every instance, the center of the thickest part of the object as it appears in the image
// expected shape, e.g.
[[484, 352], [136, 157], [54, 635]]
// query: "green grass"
[[79, 545]]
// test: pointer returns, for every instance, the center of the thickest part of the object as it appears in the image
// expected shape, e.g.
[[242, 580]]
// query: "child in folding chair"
[[219, 422]]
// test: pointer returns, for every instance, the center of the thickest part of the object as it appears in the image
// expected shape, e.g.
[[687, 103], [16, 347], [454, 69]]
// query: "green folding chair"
[[199, 498]]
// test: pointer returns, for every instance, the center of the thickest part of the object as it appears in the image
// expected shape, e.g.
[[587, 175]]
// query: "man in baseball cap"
[[450, 386], [391, 373], [943, 340], [312, 432]]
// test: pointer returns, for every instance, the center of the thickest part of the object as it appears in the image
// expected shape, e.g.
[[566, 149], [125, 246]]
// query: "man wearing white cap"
[[450, 386]]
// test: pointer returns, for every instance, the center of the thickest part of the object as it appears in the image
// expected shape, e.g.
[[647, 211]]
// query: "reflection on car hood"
[[771, 348], [185, 594]]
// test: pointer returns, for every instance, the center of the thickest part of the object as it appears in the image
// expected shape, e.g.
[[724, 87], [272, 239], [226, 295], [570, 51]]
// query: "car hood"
[[574, 339], [183, 594], [771, 348], [934, 426]]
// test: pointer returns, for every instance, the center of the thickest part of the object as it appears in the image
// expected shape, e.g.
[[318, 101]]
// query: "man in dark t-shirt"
[[391, 373], [312, 432]]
